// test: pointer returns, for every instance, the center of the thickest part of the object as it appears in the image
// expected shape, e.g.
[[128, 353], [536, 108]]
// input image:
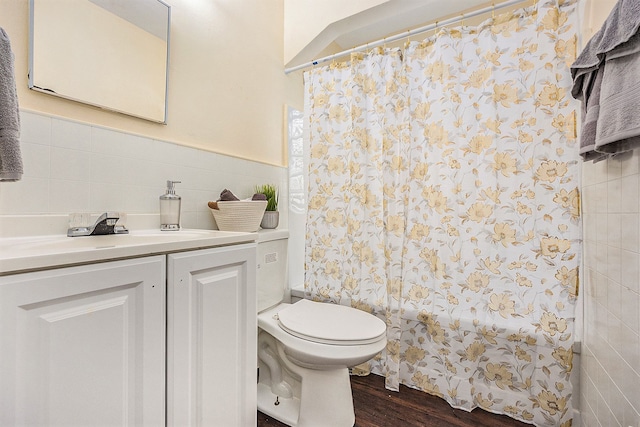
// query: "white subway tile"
[[616, 404], [28, 196], [630, 163], [136, 147], [599, 345], [71, 165], [191, 200], [600, 197], [630, 232], [630, 269], [614, 264], [629, 384], [614, 297], [630, 194], [66, 196], [107, 141], [35, 128], [630, 308], [149, 174], [614, 168], [588, 200], [614, 196], [189, 220], [588, 174], [602, 394], [139, 199], [67, 134], [100, 169], [109, 169], [590, 254], [613, 229], [601, 288], [631, 415], [614, 335], [602, 266], [205, 220], [107, 197], [600, 172], [602, 220], [629, 351], [163, 152], [36, 160]]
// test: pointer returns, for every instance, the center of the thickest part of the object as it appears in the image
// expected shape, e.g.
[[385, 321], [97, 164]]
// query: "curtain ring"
[[493, 11], [462, 19]]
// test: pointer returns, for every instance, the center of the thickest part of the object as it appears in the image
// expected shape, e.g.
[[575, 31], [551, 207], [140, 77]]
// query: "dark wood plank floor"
[[377, 407]]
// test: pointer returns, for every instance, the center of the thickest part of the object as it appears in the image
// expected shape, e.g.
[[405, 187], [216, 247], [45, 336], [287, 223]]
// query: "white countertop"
[[21, 254]]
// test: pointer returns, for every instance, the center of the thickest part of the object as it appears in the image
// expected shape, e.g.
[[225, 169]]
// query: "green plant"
[[271, 192]]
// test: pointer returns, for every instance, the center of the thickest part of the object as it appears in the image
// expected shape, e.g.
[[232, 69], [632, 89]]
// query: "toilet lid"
[[331, 323]]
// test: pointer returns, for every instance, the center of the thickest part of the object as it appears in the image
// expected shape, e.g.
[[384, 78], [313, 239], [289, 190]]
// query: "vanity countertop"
[[21, 254]]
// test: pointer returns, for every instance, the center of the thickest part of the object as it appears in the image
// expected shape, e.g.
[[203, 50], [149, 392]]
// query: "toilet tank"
[[271, 279]]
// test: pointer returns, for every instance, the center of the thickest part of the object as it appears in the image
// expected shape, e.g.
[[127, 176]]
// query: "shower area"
[[444, 196]]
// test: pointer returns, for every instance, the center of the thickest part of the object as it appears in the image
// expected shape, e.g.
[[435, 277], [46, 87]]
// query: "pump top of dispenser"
[[171, 189]]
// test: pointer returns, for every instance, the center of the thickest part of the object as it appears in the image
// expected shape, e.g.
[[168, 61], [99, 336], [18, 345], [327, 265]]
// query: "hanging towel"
[[606, 78], [10, 155], [590, 114], [619, 118]]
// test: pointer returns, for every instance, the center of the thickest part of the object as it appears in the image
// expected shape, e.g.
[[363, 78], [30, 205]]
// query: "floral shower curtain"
[[443, 197]]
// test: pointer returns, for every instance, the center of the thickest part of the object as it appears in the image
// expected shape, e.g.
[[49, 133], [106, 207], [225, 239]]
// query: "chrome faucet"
[[105, 224]]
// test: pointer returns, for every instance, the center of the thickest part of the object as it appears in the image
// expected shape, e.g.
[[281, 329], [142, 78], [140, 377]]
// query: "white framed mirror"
[[112, 54]]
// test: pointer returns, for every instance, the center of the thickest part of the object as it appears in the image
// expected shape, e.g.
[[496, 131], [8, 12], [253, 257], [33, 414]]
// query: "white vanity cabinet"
[[211, 337], [166, 339], [84, 345]]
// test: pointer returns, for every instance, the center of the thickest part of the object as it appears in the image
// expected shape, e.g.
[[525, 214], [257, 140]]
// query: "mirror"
[[112, 54]]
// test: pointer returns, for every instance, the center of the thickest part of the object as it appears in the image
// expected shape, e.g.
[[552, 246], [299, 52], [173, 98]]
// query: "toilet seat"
[[330, 323]]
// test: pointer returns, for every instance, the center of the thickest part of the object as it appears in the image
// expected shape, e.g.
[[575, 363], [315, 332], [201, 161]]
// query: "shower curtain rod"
[[405, 34]]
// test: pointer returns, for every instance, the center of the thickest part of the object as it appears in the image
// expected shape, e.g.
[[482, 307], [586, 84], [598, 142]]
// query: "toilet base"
[[287, 411], [325, 400]]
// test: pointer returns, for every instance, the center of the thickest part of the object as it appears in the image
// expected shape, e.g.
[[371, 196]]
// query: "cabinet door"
[[84, 346], [211, 337]]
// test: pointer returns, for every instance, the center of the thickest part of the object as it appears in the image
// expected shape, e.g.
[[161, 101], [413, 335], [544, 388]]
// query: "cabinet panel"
[[84, 345], [211, 333]]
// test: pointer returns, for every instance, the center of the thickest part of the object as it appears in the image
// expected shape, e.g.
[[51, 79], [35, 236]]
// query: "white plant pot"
[[270, 219]]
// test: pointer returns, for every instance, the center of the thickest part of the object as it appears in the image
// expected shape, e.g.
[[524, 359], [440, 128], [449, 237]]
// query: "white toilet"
[[305, 349]]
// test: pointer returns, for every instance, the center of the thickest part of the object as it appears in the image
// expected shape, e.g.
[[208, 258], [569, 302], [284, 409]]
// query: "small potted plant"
[[271, 216]]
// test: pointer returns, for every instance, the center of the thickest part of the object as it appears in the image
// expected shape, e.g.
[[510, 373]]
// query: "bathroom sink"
[[30, 253], [63, 243]]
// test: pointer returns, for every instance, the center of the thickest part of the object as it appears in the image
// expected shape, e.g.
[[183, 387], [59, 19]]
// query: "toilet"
[[305, 349]]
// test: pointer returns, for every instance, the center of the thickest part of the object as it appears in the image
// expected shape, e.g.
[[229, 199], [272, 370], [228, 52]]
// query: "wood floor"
[[377, 407]]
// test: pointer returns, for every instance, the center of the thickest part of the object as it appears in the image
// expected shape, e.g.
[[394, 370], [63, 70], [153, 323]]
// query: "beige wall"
[[596, 12], [610, 359], [227, 88], [300, 30]]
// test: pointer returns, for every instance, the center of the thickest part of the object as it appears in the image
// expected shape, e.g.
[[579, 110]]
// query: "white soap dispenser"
[[170, 208]]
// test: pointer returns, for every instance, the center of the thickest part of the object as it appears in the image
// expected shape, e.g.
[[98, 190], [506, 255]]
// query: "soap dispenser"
[[170, 208]]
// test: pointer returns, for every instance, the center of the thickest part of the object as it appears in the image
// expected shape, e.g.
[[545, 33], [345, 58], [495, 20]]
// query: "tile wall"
[[77, 167], [610, 359]]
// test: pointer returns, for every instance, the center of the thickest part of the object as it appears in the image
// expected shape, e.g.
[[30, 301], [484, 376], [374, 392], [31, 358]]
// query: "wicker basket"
[[241, 215]]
